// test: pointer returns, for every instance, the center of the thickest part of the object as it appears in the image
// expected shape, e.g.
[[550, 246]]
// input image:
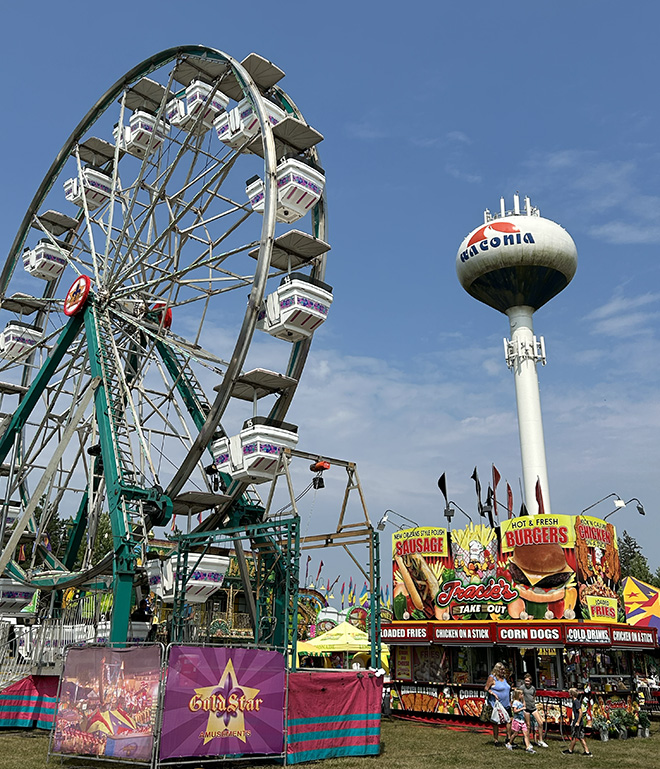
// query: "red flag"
[[509, 499], [496, 479], [319, 571], [539, 496]]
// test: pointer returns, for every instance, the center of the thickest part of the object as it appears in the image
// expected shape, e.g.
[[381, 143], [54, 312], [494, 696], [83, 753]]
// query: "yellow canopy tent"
[[347, 638]]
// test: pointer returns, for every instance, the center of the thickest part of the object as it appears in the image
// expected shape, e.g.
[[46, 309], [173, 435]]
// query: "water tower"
[[515, 262]]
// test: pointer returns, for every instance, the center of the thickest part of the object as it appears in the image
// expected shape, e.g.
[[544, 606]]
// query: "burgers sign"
[[535, 548]]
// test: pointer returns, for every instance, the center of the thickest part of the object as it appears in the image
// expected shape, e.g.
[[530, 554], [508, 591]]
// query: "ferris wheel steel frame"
[[121, 494]]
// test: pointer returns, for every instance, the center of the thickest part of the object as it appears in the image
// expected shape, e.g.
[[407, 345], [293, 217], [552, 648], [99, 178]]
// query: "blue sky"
[[431, 111]]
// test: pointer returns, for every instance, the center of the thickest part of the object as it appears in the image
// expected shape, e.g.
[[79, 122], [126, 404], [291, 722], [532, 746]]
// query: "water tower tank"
[[516, 258], [515, 262]]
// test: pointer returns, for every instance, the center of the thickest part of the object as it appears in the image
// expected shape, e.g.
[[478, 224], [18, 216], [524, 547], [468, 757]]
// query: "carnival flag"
[[496, 479], [387, 595], [47, 544], [509, 499], [477, 485], [642, 602], [539, 496], [343, 587], [318, 574], [523, 511], [309, 558], [364, 595], [442, 485], [489, 507]]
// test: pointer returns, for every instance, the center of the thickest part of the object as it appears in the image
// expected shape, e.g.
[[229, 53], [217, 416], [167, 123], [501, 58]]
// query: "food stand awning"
[[344, 638]]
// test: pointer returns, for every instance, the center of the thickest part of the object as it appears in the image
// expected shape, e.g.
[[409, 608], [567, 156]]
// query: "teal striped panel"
[[348, 750]]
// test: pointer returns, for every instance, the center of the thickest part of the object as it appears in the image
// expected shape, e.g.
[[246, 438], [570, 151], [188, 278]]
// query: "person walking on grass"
[[499, 689], [577, 722], [518, 721], [532, 712]]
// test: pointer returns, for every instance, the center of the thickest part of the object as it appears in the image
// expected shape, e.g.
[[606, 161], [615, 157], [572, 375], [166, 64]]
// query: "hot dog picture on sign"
[[420, 556]]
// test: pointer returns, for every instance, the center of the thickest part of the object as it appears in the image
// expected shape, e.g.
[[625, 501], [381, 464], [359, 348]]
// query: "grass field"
[[404, 745]]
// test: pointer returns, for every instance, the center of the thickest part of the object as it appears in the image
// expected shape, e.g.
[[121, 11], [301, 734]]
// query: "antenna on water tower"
[[516, 262]]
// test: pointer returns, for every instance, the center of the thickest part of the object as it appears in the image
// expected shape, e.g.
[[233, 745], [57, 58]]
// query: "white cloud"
[[609, 194]]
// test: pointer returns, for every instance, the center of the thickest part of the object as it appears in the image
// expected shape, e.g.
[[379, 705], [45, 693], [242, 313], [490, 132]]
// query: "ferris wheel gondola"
[[124, 296]]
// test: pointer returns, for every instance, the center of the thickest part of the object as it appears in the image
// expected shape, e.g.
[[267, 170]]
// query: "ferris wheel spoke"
[[178, 216]]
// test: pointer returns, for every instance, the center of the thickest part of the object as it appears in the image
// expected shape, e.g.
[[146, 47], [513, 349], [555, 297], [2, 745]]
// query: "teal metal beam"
[[77, 533], [31, 397]]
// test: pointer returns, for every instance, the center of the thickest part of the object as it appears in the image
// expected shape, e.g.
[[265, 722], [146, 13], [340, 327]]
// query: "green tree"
[[633, 561]]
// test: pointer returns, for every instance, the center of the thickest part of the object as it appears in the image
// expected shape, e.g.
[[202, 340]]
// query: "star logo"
[[227, 702]]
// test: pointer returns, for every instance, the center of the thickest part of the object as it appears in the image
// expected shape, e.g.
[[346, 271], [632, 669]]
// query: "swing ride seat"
[[46, 260], [95, 188], [135, 137], [296, 309], [253, 455], [300, 184], [239, 125], [18, 339]]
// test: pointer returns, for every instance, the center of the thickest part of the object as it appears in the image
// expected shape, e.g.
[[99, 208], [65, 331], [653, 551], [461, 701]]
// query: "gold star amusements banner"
[[223, 701]]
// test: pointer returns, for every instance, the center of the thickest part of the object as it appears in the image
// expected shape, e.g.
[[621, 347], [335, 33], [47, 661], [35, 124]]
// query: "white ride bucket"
[[296, 309], [253, 454]]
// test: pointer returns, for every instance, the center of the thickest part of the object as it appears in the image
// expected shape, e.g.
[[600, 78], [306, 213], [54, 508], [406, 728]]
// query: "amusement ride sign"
[[223, 701]]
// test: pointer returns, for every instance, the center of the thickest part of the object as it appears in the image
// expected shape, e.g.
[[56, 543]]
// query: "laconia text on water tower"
[[515, 262]]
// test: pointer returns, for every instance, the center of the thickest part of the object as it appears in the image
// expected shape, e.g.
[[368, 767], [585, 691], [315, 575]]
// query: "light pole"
[[381, 524], [640, 507], [618, 502], [449, 511]]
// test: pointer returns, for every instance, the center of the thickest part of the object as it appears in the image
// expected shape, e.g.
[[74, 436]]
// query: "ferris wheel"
[[182, 221]]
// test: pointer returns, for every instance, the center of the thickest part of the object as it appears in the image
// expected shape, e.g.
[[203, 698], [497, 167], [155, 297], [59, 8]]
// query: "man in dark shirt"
[[142, 613]]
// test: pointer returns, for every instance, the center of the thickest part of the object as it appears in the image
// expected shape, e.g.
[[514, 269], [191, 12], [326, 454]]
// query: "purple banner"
[[221, 702], [108, 702]]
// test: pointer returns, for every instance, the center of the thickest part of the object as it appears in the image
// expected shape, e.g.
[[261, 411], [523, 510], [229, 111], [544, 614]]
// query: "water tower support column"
[[523, 352]]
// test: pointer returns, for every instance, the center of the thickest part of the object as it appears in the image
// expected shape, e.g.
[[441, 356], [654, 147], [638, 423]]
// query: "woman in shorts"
[[531, 711], [499, 690]]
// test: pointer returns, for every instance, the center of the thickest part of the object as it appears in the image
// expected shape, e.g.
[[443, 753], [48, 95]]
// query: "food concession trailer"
[[537, 593]]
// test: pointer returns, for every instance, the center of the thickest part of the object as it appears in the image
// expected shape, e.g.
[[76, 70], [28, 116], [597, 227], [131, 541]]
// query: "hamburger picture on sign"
[[538, 557]]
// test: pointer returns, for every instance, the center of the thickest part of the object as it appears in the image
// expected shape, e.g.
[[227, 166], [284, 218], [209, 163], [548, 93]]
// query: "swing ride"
[[123, 306]]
